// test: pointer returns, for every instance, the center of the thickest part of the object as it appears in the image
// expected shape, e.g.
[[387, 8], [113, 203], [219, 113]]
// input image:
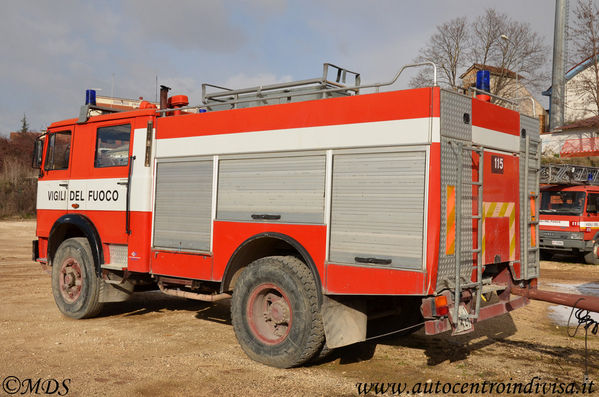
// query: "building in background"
[[577, 106], [577, 139], [579, 136], [511, 88]]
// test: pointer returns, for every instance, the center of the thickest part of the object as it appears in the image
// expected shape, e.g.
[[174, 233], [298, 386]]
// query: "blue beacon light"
[[90, 97], [483, 83]]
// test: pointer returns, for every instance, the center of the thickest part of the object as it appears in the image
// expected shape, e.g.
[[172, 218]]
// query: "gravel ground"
[[158, 345]]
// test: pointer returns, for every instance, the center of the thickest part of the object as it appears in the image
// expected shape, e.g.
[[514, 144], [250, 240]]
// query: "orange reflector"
[[440, 300], [450, 221], [441, 308], [533, 216]]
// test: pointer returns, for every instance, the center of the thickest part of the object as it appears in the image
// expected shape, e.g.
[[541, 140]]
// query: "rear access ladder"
[[460, 315], [531, 207]]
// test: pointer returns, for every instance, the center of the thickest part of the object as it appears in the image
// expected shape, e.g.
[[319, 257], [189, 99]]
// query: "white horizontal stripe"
[[549, 222], [89, 194], [495, 139], [52, 196], [381, 133], [589, 224]]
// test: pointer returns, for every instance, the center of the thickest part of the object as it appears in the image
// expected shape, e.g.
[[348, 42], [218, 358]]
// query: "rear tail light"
[[441, 308]]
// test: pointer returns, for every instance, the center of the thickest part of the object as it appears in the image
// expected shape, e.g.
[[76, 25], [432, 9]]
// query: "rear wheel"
[[75, 284], [275, 312]]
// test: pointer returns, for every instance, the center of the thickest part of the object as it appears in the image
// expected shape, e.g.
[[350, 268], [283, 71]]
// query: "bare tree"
[[446, 49], [519, 56], [585, 37], [517, 53], [485, 40]]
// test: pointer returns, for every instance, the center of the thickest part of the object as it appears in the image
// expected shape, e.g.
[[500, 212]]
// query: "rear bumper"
[[433, 327]]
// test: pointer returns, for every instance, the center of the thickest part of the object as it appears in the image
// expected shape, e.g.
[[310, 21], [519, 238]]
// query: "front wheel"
[[275, 312], [591, 257], [75, 284]]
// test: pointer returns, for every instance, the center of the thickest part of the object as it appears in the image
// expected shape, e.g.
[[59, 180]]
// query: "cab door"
[[99, 185], [53, 183], [591, 222]]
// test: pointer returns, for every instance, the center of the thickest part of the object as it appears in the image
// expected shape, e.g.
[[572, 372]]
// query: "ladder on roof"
[[569, 174], [317, 88]]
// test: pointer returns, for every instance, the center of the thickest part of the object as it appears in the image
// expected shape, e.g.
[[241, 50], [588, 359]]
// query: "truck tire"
[[75, 284], [591, 258], [275, 312]]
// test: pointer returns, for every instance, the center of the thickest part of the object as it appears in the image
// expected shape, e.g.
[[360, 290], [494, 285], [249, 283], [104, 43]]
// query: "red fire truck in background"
[[316, 207], [569, 214]]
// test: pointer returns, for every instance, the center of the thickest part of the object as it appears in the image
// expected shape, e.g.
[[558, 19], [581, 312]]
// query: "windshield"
[[562, 203]]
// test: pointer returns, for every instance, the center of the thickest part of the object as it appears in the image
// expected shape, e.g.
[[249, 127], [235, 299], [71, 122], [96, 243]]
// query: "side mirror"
[[38, 148], [37, 155]]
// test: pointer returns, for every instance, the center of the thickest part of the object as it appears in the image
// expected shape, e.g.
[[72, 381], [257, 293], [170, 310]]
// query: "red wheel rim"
[[70, 280], [269, 313]]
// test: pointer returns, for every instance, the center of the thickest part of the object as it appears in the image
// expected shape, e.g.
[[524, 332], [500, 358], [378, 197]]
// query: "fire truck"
[[569, 214], [318, 206]]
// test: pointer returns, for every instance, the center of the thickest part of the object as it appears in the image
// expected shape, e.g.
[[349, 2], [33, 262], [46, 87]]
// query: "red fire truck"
[[569, 214], [316, 206]]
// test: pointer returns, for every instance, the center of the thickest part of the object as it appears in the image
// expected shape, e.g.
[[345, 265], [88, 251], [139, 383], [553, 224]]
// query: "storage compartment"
[[377, 212], [272, 189], [182, 218]]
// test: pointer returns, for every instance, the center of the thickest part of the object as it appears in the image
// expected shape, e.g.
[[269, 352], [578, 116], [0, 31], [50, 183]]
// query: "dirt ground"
[[159, 345]]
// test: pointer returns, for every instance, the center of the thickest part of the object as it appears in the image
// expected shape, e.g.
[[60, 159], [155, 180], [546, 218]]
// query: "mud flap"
[[115, 289], [344, 321]]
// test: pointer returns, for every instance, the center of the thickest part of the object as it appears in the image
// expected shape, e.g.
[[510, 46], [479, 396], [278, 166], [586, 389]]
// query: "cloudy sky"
[[52, 50]]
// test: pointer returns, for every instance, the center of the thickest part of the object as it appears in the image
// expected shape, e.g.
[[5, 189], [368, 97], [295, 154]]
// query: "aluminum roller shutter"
[[278, 189], [378, 208], [183, 205]]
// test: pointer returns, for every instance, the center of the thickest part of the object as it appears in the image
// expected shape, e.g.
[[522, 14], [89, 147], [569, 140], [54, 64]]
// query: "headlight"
[[576, 236]]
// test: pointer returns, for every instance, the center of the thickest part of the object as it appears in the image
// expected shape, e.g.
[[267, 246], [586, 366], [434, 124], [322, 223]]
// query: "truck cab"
[[569, 219]]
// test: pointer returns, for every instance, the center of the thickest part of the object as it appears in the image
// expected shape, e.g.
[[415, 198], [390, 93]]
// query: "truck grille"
[[554, 234]]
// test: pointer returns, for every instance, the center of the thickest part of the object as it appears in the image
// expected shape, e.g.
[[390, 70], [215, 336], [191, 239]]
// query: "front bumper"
[[563, 241]]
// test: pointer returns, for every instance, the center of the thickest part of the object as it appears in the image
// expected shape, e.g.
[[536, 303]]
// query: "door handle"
[[63, 184]]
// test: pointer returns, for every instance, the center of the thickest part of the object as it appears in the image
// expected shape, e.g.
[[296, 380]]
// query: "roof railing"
[[316, 88]]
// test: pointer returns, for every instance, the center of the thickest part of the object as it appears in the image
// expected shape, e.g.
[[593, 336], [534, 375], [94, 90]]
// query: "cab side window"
[[58, 152], [592, 203], [112, 146]]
